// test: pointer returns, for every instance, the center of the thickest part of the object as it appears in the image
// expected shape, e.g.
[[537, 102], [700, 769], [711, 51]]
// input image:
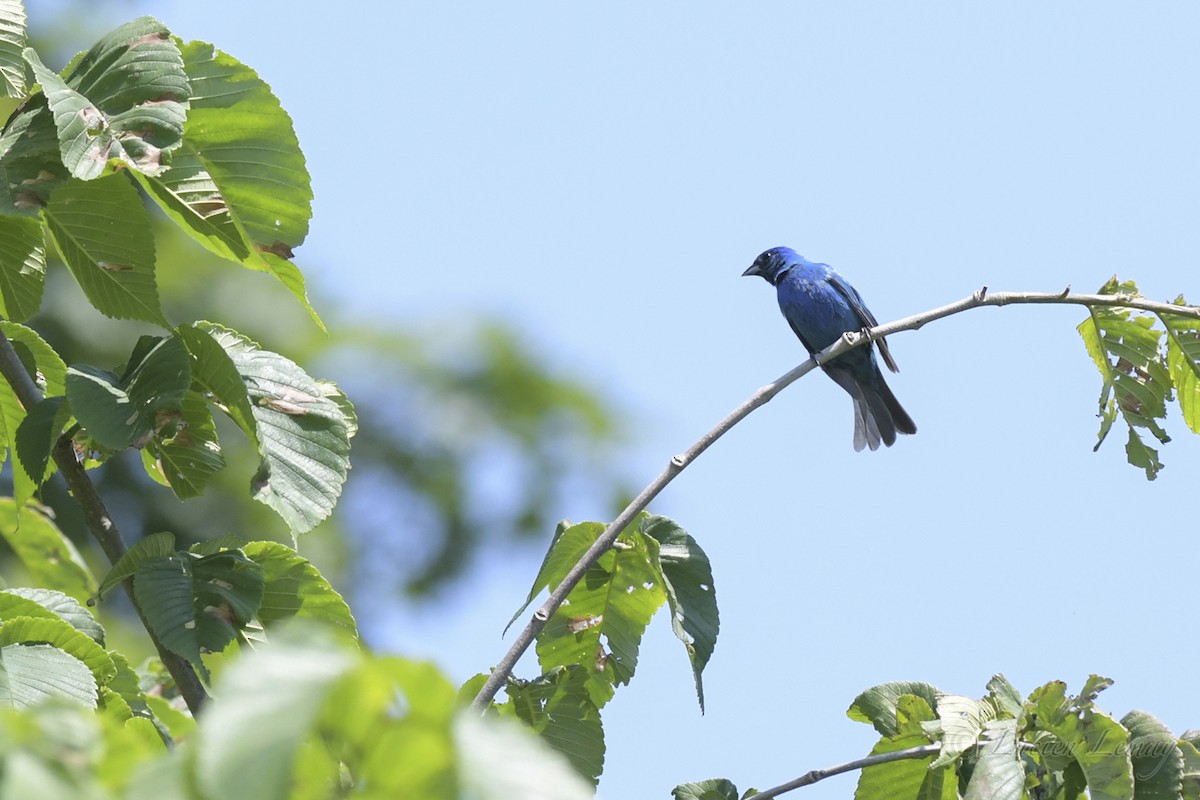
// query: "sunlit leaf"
[[188, 452], [64, 607], [711, 789], [905, 778], [103, 233], [1157, 759], [500, 761], [1091, 738], [558, 707], [33, 673], [293, 588], [878, 704], [1183, 361], [998, 774], [59, 633]]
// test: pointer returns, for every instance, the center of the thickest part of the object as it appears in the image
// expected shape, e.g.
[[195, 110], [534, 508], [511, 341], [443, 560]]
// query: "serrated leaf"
[[126, 99], [22, 264], [124, 684], [558, 707], [878, 704], [1191, 769], [601, 623], [65, 607], [12, 43], [1004, 696], [1183, 362], [34, 443], [1136, 383], [294, 588], [1092, 739], [48, 372], [998, 773], [156, 545], [239, 185], [103, 233], [691, 594], [59, 633], [1157, 759], [303, 436], [49, 556], [163, 588], [560, 557], [33, 673]]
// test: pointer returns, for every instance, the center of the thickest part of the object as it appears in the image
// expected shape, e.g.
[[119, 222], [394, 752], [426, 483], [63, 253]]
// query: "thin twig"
[[99, 521], [809, 778], [680, 462]]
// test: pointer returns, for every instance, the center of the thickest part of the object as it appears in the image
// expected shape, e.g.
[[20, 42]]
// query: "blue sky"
[[599, 175]]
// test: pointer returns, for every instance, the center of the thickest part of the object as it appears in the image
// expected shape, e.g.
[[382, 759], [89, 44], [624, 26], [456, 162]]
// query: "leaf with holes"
[[104, 235], [1136, 383], [691, 595], [303, 435], [600, 626]]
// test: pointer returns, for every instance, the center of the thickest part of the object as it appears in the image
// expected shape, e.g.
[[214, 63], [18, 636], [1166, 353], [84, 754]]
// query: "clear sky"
[[599, 175]]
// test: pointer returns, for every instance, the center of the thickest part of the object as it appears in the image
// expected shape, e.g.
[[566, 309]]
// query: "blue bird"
[[821, 306]]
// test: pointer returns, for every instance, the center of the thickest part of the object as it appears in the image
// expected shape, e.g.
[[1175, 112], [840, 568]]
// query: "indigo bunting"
[[821, 306]]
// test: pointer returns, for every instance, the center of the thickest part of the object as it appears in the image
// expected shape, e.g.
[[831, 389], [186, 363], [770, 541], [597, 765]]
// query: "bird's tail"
[[878, 415]]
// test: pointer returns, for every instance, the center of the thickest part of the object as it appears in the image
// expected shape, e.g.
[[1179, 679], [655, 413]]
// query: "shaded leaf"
[[12, 42], [153, 546], [213, 372], [22, 263], [37, 434], [691, 594], [163, 588], [30, 164], [228, 591], [187, 451]]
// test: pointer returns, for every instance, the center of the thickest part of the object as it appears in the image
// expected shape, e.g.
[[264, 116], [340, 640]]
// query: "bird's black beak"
[[754, 270]]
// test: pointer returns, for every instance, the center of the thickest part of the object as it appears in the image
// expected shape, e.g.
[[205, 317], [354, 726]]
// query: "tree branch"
[[680, 462], [99, 521], [809, 778]]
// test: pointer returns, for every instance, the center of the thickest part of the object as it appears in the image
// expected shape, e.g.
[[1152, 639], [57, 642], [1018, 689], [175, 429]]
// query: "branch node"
[[541, 616], [1066, 291], [981, 295], [678, 462]]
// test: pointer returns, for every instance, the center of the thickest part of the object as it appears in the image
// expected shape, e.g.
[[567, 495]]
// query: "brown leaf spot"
[[277, 247], [581, 624], [109, 266], [149, 38]]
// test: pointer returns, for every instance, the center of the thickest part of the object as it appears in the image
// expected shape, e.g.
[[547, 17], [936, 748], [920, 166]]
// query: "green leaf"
[[37, 434], [1191, 769], [49, 556], [228, 591], [600, 625], [124, 685], [294, 588], [188, 454], [213, 371], [118, 413], [711, 789], [30, 166], [163, 588], [33, 673], [560, 557], [878, 704], [64, 607], [1092, 738], [1004, 697], [156, 545], [239, 185], [1183, 362], [497, 760], [12, 43], [59, 633], [270, 701], [691, 594], [998, 774], [22, 263], [124, 99], [304, 437], [905, 778], [1157, 759], [558, 707], [49, 373], [1136, 383], [103, 233]]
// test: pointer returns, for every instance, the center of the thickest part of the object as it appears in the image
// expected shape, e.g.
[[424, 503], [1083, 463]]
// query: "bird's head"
[[773, 263]]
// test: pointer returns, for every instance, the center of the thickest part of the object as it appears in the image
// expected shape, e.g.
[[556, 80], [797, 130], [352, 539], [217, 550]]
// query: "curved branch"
[[809, 778], [99, 521], [680, 462]]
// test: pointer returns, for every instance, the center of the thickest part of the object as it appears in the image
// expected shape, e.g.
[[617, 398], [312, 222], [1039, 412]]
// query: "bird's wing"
[[864, 315], [796, 330]]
